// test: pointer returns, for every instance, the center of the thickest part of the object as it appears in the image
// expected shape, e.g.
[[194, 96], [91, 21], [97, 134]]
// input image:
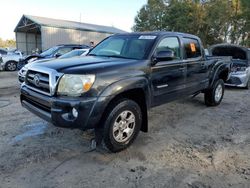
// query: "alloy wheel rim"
[[124, 126], [218, 93], [12, 66]]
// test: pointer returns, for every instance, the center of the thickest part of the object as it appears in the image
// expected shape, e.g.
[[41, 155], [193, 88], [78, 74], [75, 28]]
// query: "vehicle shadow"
[[197, 101], [232, 88]]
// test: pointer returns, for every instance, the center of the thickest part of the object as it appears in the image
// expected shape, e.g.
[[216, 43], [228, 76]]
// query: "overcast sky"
[[117, 13]]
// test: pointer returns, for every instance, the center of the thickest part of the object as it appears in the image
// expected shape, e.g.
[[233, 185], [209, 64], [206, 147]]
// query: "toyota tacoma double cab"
[[113, 87]]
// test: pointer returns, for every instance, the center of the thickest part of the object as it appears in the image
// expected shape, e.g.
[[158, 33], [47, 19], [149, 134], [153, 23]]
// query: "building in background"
[[33, 32]]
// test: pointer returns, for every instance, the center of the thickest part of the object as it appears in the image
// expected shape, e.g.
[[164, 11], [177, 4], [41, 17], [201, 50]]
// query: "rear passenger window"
[[170, 43], [192, 48]]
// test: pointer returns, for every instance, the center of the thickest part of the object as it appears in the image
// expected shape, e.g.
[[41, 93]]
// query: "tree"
[[214, 21], [7, 43], [150, 17], [245, 5]]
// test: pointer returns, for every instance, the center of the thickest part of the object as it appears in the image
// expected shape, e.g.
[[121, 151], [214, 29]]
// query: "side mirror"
[[165, 55], [57, 55]]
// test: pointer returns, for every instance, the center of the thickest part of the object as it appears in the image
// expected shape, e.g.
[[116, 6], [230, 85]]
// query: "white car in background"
[[73, 53], [9, 61]]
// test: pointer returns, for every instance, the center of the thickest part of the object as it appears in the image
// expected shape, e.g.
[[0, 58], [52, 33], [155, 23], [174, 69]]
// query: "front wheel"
[[122, 124], [214, 95], [11, 66]]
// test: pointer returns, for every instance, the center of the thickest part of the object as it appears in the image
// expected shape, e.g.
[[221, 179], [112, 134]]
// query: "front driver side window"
[[170, 43]]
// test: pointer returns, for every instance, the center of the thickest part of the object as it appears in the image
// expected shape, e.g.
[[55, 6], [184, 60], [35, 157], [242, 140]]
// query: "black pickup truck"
[[112, 89]]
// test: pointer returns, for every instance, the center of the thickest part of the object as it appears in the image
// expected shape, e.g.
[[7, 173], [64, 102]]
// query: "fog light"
[[74, 112]]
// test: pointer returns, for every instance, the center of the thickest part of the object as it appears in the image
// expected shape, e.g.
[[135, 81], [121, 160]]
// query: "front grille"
[[38, 81], [37, 104], [234, 80]]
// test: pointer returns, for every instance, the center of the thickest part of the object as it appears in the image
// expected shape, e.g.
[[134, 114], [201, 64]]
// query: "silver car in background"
[[240, 73]]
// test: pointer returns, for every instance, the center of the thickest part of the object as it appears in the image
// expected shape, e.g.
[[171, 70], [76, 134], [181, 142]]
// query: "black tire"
[[248, 84], [11, 66], [211, 99], [115, 113]]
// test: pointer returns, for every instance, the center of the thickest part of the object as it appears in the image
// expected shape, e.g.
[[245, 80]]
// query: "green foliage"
[[245, 5], [150, 16], [7, 43], [214, 21]]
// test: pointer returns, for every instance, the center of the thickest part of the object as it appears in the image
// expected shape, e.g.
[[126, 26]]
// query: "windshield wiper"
[[117, 56]]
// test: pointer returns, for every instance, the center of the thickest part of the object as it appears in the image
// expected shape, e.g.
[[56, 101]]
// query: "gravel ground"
[[188, 145]]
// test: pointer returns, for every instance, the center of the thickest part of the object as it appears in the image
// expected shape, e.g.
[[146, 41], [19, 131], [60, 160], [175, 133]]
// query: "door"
[[197, 70], [168, 77]]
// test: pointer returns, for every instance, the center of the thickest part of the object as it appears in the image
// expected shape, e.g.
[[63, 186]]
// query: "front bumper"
[[238, 80], [58, 110]]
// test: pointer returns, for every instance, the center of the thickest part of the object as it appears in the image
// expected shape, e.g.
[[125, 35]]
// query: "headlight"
[[23, 71], [75, 85]]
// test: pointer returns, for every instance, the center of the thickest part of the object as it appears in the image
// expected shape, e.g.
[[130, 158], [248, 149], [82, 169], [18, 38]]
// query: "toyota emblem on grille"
[[36, 80]]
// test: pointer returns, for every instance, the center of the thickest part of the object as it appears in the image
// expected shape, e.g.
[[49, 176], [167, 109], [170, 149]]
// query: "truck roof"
[[159, 33]]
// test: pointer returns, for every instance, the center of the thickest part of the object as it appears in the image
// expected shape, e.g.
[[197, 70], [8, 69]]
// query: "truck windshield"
[[130, 47]]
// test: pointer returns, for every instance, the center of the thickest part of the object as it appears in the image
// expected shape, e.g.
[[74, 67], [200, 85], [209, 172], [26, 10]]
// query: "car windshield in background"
[[49, 51], [130, 47], [73, 53]]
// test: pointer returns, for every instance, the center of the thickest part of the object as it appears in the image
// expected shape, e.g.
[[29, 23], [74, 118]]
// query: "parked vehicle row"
[[6, 51], [50, 53], [73, 53], [113, 87], [11, 60], [239, 77]]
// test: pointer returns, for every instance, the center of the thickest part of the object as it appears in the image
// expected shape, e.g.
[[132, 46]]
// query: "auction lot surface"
[[188, 145]]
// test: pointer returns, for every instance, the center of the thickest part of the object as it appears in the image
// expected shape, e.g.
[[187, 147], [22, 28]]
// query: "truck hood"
[[86, 64], [240, 55]]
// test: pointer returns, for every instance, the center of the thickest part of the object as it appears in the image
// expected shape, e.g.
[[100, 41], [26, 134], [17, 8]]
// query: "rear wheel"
[[214, 95], [11, 66], [122, 125]]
